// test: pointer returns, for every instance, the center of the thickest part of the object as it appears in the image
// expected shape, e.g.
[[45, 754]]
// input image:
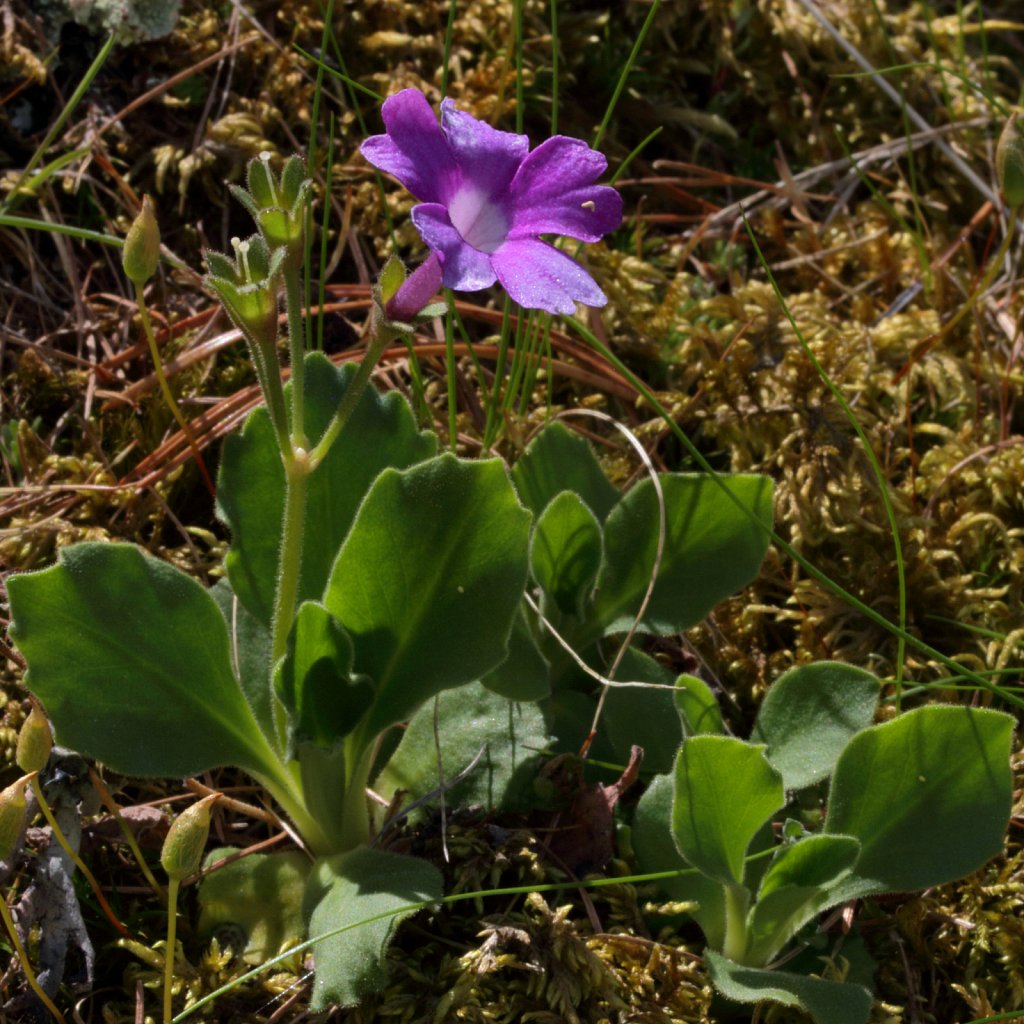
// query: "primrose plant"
[[366, 573], [371, 581], [914, 802]]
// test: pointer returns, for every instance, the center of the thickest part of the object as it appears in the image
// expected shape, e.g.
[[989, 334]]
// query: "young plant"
[[902, 814]]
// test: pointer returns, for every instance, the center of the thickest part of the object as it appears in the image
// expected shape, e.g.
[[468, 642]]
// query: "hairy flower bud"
[[248, 286], [182, 853], [13, 808], [35, 741], [141, 252], [277, 204], [411, 298], [1010, 163]]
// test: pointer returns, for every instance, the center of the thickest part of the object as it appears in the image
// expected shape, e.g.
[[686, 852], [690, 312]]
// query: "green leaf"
[[725, 790], [712, 548], [656, 850], [250, 493], [392, 277], [470, 719], [794, 889], [314, 679], [828, 1002], [429, 580], [809, 715], [698, 707], [565, 552], [636, 715], [525, 673], [250, 654], [130, 658], [557, 460], [259, 895], [365, 893], [928, 795]]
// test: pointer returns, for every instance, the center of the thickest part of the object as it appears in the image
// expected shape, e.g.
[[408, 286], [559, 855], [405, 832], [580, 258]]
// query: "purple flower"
[[486, 199]]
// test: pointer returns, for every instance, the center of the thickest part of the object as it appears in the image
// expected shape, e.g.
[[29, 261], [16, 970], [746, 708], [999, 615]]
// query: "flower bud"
[[248, 286], [1010, 163], [141, 252], [411, 295], [34, 742], [13, 808], [182, 853], [277, 204]]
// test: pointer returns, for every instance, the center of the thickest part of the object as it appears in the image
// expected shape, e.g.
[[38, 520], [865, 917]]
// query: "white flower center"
[[480, 221]]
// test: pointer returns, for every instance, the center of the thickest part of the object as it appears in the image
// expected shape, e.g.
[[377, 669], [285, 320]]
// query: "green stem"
[[355, 822], [285, 786], [126, 832], [493, 407], [268, 374], [172, 928], [26, 967], [58, 834], [296, 349], [737, 902], [381, 334], [290, 555], [449, 352]]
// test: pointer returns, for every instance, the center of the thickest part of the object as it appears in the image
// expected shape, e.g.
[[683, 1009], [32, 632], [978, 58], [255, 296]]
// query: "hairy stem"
[[289, 563], [296, 349], [172, 927], [737, 902], [58, 834], [26, 967]]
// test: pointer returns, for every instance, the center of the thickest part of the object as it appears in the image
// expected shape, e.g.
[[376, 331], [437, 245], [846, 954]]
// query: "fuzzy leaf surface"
[[468, 719], [794, 888], [725, 790], [251, 486], [314, 679], [130, 658], [429, 580], [525, 674], [928, 795], [366, 893], [712, 548], [260, 895], [828, 1002], [809, 715], [697, 706], [565, 552], [249, 641], [656, 850], [557, 460]]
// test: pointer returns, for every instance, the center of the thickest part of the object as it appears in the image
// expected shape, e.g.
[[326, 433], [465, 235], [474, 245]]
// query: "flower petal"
[[538, 276], [587, 213], [553, 190], [462, 267], [487, 158], [414, 150]]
